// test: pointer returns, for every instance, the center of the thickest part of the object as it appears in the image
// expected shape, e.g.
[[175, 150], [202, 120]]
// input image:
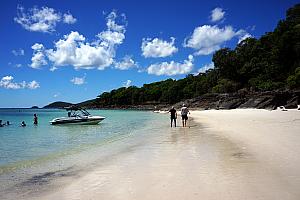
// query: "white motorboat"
[[77, 115]]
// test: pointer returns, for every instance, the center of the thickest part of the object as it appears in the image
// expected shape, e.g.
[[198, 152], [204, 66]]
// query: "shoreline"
[[225, 154]]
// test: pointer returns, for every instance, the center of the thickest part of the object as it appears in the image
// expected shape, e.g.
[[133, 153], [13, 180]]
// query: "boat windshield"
[[77, 112]]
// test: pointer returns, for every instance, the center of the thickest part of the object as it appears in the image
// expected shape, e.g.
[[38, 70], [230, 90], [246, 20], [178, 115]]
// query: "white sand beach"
[[269, 142], [225, 154]]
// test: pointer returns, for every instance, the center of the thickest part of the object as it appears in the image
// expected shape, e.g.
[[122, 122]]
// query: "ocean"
[[27, 152]]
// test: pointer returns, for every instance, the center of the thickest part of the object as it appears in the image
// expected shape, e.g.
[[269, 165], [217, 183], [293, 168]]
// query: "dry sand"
[[235, 154]]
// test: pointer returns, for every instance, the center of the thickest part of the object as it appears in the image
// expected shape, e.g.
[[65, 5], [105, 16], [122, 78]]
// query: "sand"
[[232, 154]]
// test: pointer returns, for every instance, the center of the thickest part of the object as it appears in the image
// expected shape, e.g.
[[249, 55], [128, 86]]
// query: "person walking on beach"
[[173, 113], [35, 119], [184, 112]]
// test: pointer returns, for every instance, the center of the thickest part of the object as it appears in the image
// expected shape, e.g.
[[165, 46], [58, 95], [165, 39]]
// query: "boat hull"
[[78, 121]]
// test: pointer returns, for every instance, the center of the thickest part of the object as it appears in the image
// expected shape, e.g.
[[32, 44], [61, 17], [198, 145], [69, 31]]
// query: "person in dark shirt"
[[35, 119], [173, 115], [23, 124]]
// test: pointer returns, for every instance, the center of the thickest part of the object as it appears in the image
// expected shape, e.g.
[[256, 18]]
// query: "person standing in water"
[[184, 112], [173, 115], [23, 124], [35, 119]]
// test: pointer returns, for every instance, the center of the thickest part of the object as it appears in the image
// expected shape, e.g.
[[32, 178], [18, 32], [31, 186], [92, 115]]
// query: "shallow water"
[[26, 152]]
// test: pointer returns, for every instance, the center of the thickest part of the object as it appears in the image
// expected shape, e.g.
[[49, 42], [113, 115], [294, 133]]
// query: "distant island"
[[258, 73], [58, 105], [34, 107]]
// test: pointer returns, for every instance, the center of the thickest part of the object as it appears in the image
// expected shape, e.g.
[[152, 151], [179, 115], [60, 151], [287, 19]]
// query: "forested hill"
[[269, 63], [58, 104]]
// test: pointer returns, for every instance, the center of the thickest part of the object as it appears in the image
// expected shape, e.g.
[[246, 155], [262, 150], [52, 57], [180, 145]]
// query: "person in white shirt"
[[184, 112]]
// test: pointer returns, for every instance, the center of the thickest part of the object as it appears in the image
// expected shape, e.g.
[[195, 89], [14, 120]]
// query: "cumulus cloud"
[[110, 37], [74, 50], [158, 48], [52, 69], [217, 14], [69, 19], [112, 24], [127, 83], [126, 63], [207, 39], [41, 20], [38, 59], [172, 68], [78, 80], [7, 82], [33, 85], [18, 52], [206, 67]]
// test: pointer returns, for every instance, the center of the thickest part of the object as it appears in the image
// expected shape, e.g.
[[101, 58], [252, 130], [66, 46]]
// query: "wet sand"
[[238, 154]]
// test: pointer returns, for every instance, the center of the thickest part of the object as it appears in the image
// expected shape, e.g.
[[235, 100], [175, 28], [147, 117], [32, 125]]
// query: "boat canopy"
[[77, 108]]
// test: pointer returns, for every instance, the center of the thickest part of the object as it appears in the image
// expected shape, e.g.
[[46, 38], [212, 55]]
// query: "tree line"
[[271, 62]]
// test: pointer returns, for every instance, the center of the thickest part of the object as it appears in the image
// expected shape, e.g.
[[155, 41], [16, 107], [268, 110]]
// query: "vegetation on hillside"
[[269, 63], [58, 104]]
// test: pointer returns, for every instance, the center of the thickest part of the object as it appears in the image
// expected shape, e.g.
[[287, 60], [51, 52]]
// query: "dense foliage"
[[269, 63]]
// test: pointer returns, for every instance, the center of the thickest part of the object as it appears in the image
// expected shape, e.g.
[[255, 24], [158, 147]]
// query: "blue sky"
[[75, 50]]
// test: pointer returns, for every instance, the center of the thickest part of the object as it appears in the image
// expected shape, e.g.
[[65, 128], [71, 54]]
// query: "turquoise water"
[[22, 147]]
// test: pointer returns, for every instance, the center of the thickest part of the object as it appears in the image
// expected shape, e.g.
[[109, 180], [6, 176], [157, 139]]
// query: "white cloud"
[[18, 65], [72, 50], [75, 51], [111, 22], [52, 69], [245, 36], [206, 67], [78, 80], [56, 95], [38, 59], [207, 50], [37, 46], [41, 20], [33, 85], [18, 52], [127, 83], [172, 68], [217, 14], [158, 48], [7, 78], [8, 83], [111, 38], [126, 63], [69, 19], [206, 39]]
